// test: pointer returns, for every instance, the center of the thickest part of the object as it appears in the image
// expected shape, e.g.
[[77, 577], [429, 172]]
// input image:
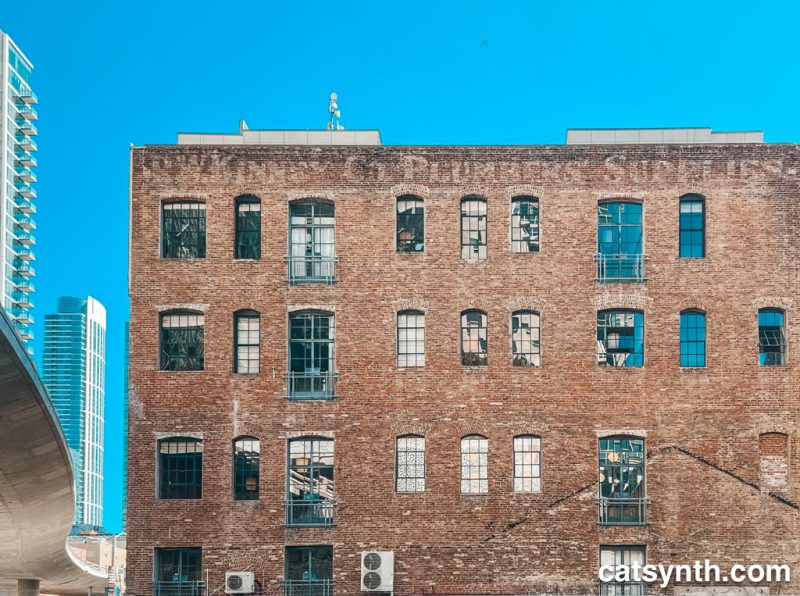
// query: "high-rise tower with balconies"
[[17, 178]]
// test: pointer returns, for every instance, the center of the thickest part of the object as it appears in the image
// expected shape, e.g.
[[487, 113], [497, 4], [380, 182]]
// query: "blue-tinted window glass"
[[620, 338], [693, 339], [771, 337], [692, 228]]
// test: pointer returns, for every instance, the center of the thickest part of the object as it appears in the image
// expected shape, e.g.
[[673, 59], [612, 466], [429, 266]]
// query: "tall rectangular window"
[[525, 338], [474, 338], [410, 338], [311, 243], [524, 224], [246, 463], [692, 227], [614, 559], [410, 464], [183, 230], [248, 228], [473, 229], [620, 338], [619, 242], [527, 464], [621, 480], [309, 571], [180, 468], [310, 488], [410, 224], [771, 337], [693, 339], [178, 572], [182, 341], [474, 465], [246, 337], [312, 370]]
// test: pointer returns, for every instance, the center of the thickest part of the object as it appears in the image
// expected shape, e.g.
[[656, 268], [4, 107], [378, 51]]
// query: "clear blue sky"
[[110, 74]]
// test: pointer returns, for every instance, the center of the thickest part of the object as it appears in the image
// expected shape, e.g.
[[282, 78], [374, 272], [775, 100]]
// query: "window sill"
[[238, 375], [179, 372], [693, 369], [246, 260], [468, 368]]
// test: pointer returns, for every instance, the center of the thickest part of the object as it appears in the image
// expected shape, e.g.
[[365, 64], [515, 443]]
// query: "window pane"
[[693, 339], [527, 465], [692, 227], [410, 224], [771, 337], [524, 224], [183, 230], [182, 341], [474, 464], [311, 242], [246, 337], [180, 469], [474, 339], [410, 464], [410, 339], [246, 459], [248, 229], [620, 338], [525, 342], [473, 229]]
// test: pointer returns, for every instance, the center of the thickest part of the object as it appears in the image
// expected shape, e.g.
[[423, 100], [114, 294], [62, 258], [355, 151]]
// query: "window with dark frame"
[[312, 249], [246, 464], [474, 465], [248, 228], [525, 338], [474, 338], [182, 341], [620, 256], [771, 337], [178, 572], [410, 339], [527, 464], [183, 230], [410, 224], [621, 480], [524, 224], [180, 467], [620, 338], [410, 464], [310, 487], [692, 227], [473, 229], [693, 339], [309, 571], [312, 348], [247, 342]]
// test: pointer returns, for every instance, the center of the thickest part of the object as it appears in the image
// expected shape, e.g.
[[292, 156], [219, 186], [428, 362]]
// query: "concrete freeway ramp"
[[37, 500]]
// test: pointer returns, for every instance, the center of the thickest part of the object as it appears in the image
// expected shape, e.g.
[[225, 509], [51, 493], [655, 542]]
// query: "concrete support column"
[[27, 587]]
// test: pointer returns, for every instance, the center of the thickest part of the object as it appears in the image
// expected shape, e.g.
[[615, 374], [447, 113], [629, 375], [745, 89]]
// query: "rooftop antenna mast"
[[333, 109]]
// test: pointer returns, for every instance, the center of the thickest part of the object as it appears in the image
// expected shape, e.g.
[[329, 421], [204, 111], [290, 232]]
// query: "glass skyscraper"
[[73, 370], [17, 178]]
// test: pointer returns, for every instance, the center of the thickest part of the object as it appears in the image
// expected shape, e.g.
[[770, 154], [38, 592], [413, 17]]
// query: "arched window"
[[527, 464], [410, 224], [620, 337], [474, 338], [246, 332], [771, 337], [473, 228], [312, 351], [246, 462], [182, 340], [474, 465], [410, 464], [524, 224], [310, 488], [248, 228], [693, 338], [620, 256], [410, 338], [183, 229], [621, 479], [525, 338], [180, 468], [692, 227], [312, 249]]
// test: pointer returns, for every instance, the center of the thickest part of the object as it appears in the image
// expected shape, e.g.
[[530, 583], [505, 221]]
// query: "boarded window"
[[774, 468]]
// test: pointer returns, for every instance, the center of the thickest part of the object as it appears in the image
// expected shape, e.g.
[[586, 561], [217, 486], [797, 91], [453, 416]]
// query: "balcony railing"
[[24, 158], [24, 205], [25, 142], [25, 126], [317, 512], [27, 112], [27, 96], [312, 269], [311, 385], [21, 299], [622, 512], [23, 268], [307, 587], [25, 174], [24, 252], [22, 315], [620, 268], [24, 236], [179, 588], [25, 222], [623, 588]]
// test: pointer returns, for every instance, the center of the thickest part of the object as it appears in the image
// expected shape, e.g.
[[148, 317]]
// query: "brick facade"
[[706, 430]]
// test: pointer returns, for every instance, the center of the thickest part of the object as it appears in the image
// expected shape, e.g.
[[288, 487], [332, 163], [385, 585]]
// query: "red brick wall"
[[702, 426]]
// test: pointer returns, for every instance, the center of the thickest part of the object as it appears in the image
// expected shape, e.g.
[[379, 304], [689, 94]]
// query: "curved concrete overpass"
[[37, 500]]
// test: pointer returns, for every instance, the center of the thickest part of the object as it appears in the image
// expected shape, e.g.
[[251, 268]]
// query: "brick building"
[[502, 365]]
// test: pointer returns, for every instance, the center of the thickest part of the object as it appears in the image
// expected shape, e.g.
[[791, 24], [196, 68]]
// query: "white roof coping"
[[641, 136], [283, 137]]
